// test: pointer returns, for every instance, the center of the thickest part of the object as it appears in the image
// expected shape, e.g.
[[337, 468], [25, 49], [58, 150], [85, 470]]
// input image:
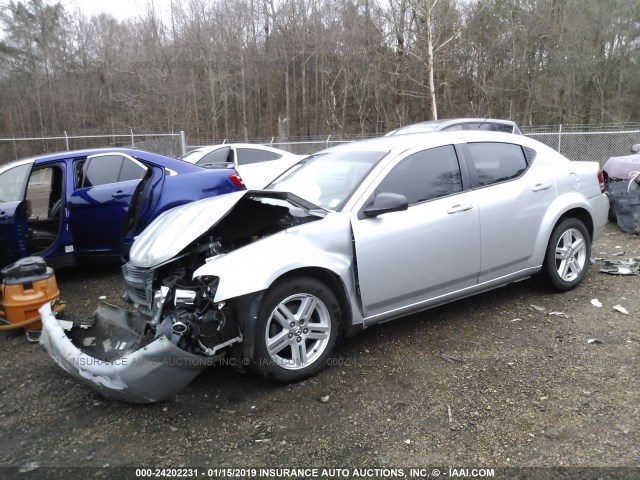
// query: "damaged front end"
[[179, 328], [116, 356]]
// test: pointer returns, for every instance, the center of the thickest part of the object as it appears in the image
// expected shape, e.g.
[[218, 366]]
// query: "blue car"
[[91, 204]]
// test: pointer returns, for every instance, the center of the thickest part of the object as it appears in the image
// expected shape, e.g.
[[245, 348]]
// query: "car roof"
[[149, 157], [434, 125], [210, 148], [400, 143]]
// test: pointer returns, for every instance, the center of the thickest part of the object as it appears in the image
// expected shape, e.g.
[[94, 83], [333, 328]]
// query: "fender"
[[561, 205], [325, 244]]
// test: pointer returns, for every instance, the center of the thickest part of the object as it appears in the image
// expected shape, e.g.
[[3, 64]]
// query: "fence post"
[[66, 139], [183, 142], [559, 138], [133, 142]]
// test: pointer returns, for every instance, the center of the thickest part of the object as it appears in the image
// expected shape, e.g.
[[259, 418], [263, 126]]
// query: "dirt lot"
[[524, 389]]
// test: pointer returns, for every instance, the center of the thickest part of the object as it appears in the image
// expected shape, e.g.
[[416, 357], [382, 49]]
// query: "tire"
[[564, 268], [288, 346]]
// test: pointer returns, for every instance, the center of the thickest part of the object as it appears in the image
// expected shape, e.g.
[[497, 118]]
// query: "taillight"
[[601, 180], [237, 180]]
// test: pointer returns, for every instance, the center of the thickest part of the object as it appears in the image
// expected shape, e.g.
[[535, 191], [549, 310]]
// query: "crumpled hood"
[[172, 231]]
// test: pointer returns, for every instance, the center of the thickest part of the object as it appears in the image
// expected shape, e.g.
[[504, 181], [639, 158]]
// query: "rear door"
[[13, 213], [431, 249], [104, 188], [513, 197]]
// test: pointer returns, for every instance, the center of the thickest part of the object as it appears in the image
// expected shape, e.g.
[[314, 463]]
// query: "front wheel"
[[568, 255], [297, 329]]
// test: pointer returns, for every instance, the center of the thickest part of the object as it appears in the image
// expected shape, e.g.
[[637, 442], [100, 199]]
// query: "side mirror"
[[635, 148], [386, 202]]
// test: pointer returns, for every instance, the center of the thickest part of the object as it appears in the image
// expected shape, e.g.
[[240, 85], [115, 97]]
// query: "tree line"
[[242, 69]]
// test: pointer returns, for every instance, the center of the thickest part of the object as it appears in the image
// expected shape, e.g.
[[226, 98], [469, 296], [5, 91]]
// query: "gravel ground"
[[484, 382]]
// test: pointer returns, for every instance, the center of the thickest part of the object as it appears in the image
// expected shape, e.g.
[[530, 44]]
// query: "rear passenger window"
[[496, 162], [106, 169], [425, 175], [247, 156], [501, 127], [218, 156], [131, 171], [101, 170]]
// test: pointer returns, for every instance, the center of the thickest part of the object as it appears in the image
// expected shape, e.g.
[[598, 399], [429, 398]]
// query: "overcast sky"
[[121, 9]]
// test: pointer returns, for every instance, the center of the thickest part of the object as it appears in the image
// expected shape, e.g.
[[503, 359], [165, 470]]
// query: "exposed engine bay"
[[176, 318], [182, 308]]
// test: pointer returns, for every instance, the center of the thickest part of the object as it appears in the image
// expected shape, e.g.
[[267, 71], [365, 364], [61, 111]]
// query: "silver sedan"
[[355, 235]]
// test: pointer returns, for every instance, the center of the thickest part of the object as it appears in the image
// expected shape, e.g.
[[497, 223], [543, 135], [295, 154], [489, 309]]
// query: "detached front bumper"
[[110, 356]]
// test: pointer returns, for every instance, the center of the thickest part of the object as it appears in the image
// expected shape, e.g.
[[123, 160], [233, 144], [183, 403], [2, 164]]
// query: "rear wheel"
[[568, 255], [297, 329]]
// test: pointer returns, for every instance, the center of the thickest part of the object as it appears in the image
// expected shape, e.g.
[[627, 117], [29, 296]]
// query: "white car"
[[258, 165]]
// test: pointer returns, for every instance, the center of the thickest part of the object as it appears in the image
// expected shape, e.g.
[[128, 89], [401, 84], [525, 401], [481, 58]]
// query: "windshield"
[[328, 179], [12, 183]]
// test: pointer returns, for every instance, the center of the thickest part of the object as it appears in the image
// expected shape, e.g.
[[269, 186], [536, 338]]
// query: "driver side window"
[[425, 175]]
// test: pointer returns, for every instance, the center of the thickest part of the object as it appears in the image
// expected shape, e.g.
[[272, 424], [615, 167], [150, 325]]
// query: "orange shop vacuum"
[[27, 285]]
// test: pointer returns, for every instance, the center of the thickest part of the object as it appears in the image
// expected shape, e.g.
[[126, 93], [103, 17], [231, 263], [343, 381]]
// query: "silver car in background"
[[352, 236]]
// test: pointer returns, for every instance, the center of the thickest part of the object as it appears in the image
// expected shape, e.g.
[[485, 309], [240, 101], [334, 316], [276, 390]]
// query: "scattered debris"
[[407, 441], [450, 416], [621, 267], [618, 254], [536, 308], [558, 314], [516, 320], [450, 359], [324, 399], [29, 467], [102, 297], [595, 341], [596, 303], [621, 309]]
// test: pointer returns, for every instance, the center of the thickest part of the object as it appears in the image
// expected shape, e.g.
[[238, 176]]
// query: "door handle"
[[459, 208], [541, 186], [120, 194]]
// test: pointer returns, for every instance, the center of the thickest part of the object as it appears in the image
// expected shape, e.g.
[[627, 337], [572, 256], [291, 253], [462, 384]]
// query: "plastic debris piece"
[[324, 399], [621, 267], [449, 358], [536, 308], [595, 341], [621, 309], [558, 314], [516, 320], [618, 254], [102, 297], [596, 303]]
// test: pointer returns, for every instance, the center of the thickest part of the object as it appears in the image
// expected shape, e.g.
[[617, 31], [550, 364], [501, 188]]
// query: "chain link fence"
[[170, 144], [576, 142], [590, 146]]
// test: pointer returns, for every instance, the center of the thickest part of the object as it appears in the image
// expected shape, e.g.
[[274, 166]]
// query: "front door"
[[13, 213], [433, 248]]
